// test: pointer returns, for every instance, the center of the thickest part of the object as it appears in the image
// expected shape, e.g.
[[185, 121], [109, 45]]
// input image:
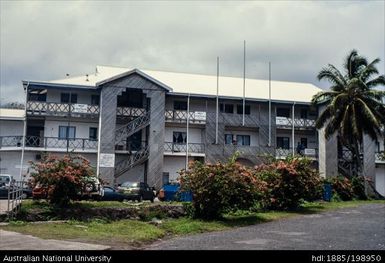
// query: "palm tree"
[[352, 106]]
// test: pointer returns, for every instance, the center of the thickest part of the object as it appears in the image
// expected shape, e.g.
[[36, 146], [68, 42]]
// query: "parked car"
[[92, 189], [137, 191], [6, 180], [112, 194]]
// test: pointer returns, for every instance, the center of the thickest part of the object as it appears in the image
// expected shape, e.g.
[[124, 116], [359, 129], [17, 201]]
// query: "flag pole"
[[217, 104], [187, 129], [244, 79], [269, 104]]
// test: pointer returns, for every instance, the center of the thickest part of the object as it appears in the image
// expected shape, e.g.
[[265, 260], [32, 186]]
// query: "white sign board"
[[107, 160], [80, 108], [281, 121], [200, 115], [310, 152]]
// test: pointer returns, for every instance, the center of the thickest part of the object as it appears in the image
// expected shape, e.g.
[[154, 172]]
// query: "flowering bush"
[[62, 177], [346, 189], [220, 187], [289, 182]]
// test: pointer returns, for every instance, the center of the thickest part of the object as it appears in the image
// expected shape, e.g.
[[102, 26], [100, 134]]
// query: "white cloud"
[[46, 40]]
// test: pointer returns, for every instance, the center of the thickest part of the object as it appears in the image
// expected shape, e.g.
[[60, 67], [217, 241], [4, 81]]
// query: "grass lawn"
[[135, 233]]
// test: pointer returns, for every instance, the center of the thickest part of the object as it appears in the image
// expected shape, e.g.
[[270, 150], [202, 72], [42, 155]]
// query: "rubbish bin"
[[327, 196], [170, 192]]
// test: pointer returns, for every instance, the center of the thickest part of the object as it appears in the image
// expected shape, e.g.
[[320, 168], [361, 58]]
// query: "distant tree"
[[13, 105], [353, 106]]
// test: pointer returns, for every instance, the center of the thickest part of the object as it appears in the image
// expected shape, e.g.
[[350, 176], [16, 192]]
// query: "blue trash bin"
[[170, 192], [327, 196]]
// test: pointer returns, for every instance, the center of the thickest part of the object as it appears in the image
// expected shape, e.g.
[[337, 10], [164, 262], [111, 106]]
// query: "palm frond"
[[380, 80]]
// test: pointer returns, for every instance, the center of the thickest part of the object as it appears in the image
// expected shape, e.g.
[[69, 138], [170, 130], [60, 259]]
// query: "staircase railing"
[[132, 160], [132, 127]]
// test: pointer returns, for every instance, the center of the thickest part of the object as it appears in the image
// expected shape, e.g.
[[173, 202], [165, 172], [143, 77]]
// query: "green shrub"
[[62, 178], [358, 187], [289, 183], [220, 187], [341, 187]]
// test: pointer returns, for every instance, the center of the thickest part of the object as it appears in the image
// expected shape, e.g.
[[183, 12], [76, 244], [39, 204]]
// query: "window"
[[67, 132], [227, 108], [180, 105], [283, 142], [283, 112], [240, 109], [65, 98], [37, 97], [179, 137], [95, 99], [243, 139], [303, 113], [304, 142], [228, 139], [93, 134]]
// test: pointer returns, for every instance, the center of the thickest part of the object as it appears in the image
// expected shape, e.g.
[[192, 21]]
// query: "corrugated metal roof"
[[11, 114], [205, 85]]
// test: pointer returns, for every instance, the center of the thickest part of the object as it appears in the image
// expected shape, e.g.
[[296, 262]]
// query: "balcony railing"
[[130, 146], [281, 153], [198, 117], [298, 123], [61, 109], [130, 112], [181, 147], [48, 142]]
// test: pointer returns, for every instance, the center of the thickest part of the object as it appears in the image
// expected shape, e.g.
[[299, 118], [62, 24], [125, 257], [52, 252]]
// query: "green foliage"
[[62, 178], [345, 189], [353, 106], [342, 188], [289, 183], [220, 187]]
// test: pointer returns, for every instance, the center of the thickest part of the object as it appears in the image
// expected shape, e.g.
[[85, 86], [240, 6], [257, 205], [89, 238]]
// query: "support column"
[[156, 138], [369, 162]]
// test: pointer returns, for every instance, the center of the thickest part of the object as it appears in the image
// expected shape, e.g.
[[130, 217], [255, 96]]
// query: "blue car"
[[111, 194]]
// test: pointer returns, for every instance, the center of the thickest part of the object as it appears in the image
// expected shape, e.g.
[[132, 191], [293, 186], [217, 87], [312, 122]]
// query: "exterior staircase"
[[133, 126], [135, 158]]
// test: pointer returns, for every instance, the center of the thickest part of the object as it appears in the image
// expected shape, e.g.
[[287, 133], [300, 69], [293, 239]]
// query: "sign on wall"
[[200, 115], [107, 160], [281, 121], [309, 151], [80, 108]]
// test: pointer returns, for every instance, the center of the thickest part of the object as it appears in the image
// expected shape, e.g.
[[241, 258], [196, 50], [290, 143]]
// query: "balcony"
[[42, 108], [176, 116], [287, 123], [130, 112], [311, 153], [180, 148], [48, 143]]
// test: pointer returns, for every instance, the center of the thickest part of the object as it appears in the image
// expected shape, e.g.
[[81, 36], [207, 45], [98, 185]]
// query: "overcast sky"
[[42, 40]]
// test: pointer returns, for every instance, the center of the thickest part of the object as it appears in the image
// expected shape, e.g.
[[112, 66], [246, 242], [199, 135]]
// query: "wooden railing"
[[198, 117], [181, 147], [298, 123], [61, 109], [281, 153], [48, 142]]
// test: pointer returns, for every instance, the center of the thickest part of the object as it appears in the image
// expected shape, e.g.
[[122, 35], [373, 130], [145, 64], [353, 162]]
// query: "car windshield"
[[5, 178], [130, 184]]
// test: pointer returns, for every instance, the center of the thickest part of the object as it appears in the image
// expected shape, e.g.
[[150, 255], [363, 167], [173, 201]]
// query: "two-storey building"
[[146, 125]]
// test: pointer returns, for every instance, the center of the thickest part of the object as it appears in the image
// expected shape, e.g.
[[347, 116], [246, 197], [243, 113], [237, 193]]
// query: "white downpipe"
[[292, 129], [99, 135], [24, 134]]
